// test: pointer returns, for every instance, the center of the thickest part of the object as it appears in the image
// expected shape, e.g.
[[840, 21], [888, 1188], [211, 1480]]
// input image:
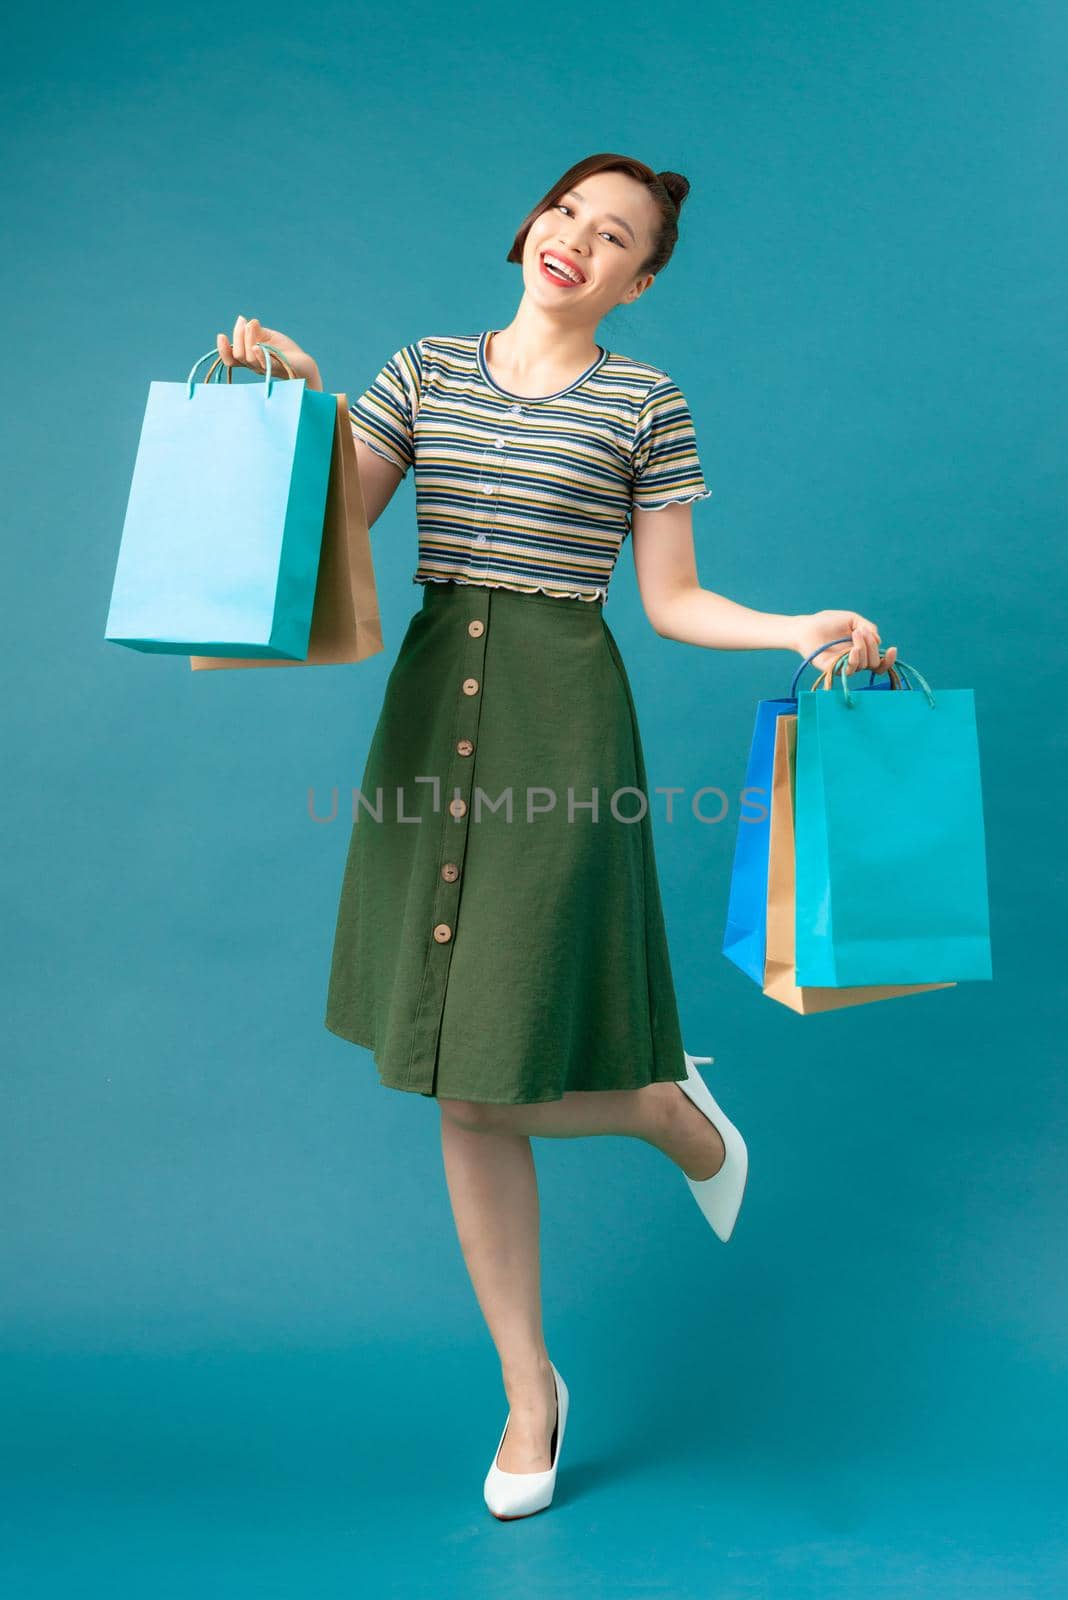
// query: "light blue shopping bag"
[[745, 934], [224, 522], [891, 880]]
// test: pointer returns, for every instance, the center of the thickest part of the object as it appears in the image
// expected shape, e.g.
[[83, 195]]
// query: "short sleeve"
[[665, 466], [384, 415]]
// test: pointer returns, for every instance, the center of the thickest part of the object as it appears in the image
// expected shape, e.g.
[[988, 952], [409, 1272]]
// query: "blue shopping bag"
[[891, 881], [745, 934], [224, 522]]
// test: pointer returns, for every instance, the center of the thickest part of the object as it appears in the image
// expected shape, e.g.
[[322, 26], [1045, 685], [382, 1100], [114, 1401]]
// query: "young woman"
[[500, 942]]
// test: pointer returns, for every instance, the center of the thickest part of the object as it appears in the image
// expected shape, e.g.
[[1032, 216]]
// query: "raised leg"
[[660, 1114]]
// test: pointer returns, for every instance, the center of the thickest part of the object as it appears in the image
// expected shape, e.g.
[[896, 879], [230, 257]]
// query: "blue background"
[[240, 1352]]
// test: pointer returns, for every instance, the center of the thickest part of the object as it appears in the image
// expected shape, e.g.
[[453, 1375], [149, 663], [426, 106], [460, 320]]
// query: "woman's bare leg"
[[493, 1189]]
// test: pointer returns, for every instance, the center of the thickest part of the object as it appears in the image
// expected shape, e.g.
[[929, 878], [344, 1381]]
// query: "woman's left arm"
[[678, 608]]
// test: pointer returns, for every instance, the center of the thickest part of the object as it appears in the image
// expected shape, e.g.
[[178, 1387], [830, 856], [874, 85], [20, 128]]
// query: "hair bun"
[[676, 185]]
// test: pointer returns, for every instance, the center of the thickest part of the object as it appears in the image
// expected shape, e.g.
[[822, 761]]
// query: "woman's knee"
[[474, 1115]]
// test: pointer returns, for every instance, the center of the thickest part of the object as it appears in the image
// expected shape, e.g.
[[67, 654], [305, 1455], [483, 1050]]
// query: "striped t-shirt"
[[522, 492]]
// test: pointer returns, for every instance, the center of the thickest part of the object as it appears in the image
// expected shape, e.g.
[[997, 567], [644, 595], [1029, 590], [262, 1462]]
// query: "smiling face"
[[602, 232]]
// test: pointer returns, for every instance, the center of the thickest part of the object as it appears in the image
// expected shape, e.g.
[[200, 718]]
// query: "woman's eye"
[[562, 206]]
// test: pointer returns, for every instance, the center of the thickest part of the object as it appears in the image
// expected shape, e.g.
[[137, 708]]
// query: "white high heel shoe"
[[720, 1196], [517, 1494]]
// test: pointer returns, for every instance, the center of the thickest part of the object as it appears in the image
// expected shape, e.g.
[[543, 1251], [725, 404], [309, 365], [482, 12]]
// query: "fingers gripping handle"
[[218, 365], [904, 667], [819, 651], [827, 677]]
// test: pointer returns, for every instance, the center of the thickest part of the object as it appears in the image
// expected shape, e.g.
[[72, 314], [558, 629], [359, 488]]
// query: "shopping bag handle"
[[793, 686], [220, 364], [902, 666], [826, 678]]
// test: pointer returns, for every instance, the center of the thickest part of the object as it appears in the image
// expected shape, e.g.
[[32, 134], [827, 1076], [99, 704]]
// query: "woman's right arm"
[[379, 478]]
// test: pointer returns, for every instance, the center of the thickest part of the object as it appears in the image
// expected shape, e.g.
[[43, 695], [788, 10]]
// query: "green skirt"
[[500, 935]]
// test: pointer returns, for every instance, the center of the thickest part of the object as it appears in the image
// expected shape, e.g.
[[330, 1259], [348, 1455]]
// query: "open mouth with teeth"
[[552, 266]]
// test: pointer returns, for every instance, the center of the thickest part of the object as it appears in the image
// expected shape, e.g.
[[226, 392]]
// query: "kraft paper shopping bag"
[[346, 625], [891, 882], [780, 974], [224, 521]]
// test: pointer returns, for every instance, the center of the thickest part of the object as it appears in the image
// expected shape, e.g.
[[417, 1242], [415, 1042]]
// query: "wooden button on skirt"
[[499, 939]]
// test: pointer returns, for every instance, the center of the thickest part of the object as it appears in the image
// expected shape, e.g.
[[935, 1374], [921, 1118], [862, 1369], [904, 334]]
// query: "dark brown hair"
[[668, 189]]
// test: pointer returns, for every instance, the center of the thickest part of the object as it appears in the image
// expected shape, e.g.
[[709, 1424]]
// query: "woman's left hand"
[[866, 651]]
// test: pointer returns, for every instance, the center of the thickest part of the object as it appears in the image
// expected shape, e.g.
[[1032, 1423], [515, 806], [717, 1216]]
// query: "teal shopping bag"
[[891, 880], [224, 521]]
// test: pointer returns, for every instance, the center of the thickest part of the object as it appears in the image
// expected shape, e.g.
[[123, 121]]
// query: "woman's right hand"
[[241, 351]]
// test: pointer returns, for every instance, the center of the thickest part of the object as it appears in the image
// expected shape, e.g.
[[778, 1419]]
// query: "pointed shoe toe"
[[519, 1494], [719, 1197]]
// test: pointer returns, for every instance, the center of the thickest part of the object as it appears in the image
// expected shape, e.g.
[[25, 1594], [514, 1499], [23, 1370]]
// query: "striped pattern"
[[524, 493]]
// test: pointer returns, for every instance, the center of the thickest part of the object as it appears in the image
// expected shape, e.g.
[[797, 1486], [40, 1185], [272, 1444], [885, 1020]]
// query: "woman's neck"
[[539, 357]]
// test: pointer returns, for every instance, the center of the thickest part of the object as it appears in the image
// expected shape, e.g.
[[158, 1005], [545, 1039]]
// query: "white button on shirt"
[[487, 488], [499, 443]]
